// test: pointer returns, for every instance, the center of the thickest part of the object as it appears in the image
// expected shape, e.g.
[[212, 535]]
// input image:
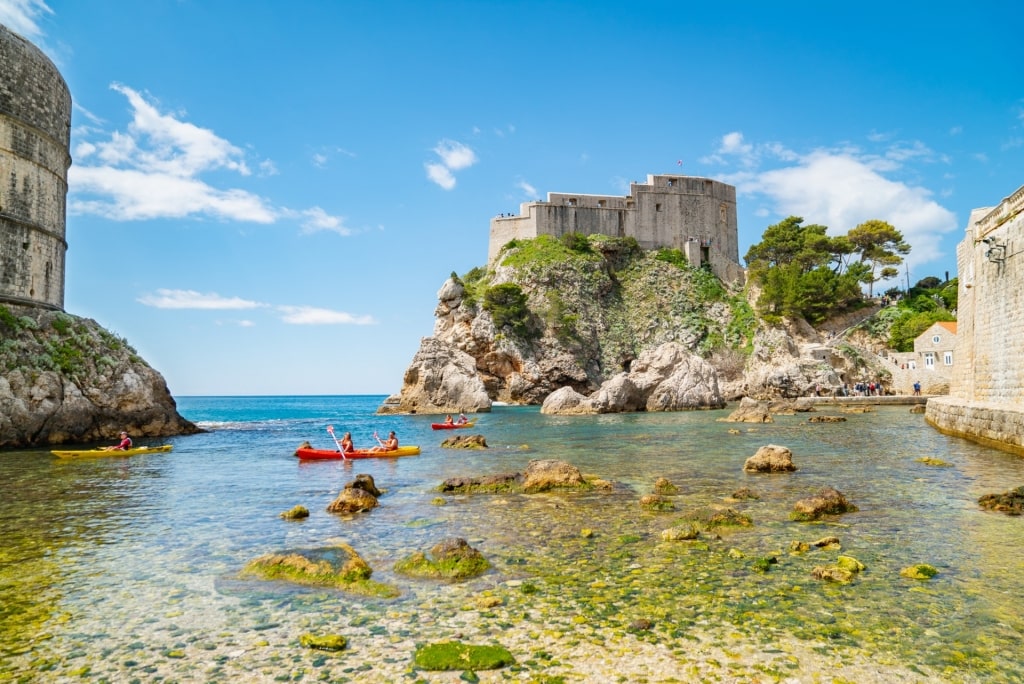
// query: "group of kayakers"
[[389, 444], [461, 421]]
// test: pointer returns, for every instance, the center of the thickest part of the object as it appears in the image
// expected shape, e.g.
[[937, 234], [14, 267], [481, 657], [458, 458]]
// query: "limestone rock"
[[828, 501], [66, 379], [440, 379], [542, 475], [770, 458], [465, 442], [358, 496], [667, 378]]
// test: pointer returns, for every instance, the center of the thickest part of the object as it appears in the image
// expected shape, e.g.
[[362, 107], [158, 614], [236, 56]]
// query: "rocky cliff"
[[64, 379], [597, 315]]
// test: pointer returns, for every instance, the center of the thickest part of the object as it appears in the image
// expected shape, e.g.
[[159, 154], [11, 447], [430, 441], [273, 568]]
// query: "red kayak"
[[452, 426], [310, 454]]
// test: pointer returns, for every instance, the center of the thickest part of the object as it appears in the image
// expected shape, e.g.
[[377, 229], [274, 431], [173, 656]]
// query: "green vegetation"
[[925, 304], [672, 256], [507, 305], [544, 250], [455, 655], [803, 272]]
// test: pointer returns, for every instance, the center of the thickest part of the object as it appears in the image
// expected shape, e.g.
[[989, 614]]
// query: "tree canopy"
[[802, 271]]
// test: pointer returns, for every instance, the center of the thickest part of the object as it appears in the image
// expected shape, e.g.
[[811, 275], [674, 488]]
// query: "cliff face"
[[65, 379], [580, 316]]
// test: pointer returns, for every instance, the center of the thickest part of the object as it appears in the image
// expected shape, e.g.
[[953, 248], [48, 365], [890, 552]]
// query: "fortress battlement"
[[694, 215]]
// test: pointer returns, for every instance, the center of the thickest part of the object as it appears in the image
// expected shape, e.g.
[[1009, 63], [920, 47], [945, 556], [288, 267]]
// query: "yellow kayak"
[[88, 453]]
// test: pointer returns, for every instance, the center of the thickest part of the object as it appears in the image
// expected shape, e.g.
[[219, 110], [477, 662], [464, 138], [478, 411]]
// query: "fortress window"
[[657, 207], [572, 201], [629, 204], [602, 203], [671, 182]]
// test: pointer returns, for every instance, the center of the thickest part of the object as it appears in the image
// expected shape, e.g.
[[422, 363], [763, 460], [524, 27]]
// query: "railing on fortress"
[[1008, 208]]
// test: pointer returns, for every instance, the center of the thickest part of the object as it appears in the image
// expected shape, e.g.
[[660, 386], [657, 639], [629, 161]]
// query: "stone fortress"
[[35, 135], [694, 215], [986, 394]]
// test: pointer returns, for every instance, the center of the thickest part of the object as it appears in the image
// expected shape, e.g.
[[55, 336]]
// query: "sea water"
[[127, 569]]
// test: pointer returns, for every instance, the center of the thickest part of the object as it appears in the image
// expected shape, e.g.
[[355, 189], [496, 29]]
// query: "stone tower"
[[35, 134]]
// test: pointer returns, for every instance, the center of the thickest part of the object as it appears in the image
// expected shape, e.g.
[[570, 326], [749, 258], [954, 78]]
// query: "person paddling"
[[125, 443], [389, 444], [347, 447]]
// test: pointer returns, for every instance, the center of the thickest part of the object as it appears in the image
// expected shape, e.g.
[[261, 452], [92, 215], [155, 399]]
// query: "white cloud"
[[842, 186], [439, 173], [308, 315], [191, 299], [22, 16], [316, 219], [528, 190], [153, 169], [454, 157]]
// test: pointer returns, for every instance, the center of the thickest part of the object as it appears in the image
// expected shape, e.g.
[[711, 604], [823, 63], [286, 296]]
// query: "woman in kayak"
[[346, 444], [126, 443]]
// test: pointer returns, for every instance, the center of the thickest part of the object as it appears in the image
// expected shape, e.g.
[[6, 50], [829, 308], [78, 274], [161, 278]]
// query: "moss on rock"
[[333, 566], [455, 655]]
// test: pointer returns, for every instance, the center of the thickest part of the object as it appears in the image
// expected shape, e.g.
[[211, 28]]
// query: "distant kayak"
[[310, 454], [452, 426], [89, 453]]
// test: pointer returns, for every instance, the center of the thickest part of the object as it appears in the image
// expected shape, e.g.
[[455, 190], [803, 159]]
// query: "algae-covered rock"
[[542, 475], [826, 419], [324, 642], [744, 493], [451, 559], [922, 571], [664, 486], [711, 517], [455, 655], [849, 563], [296, 513], [765, 563], [656, 502], [681, 533], [333, 566], [832, 573], [465, 442], [935, 462], [828, 501], [489, 484], [1011, 502]]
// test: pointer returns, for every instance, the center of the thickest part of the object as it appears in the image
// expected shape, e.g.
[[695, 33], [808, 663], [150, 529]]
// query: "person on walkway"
[[917, 389]]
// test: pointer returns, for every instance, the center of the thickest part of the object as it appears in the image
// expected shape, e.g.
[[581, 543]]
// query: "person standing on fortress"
[[917, 388]]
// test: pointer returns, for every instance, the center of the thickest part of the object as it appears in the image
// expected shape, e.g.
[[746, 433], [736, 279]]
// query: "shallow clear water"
[[118, 569]]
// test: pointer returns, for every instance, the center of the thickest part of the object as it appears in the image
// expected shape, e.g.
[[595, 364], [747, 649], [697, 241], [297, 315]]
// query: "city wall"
[[694, 215], [35, 134], [986, 398]]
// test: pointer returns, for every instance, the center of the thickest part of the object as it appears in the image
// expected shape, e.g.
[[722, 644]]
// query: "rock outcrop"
[[585, 325], [668, 378], [65, 379]]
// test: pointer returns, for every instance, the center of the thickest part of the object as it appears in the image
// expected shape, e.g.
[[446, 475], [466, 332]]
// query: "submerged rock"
[[922, 571], [324, 642], [1010, 502], [465, 442], [828, 501], [337, 566], [296, 513], [452, 559], [455, 655]]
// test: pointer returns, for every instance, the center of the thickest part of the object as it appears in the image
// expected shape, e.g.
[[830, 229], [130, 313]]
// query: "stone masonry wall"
[[694, 215], [35, 133], [986, 401]]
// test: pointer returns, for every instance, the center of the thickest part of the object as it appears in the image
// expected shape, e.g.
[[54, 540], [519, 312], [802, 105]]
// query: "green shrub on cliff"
[[507, 305]]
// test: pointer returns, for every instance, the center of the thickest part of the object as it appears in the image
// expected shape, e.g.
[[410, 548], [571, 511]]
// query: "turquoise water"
[[128, 569]]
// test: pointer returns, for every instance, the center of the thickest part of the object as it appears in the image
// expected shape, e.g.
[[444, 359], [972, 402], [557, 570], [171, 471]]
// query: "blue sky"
[[266, 197]]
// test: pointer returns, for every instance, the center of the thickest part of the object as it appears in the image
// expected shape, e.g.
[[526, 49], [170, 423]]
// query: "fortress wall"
[[35, 132], [986, 400], [667, 211]]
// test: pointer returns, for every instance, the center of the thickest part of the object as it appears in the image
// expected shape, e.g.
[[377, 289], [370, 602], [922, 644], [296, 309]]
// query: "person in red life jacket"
[[126, 443]]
